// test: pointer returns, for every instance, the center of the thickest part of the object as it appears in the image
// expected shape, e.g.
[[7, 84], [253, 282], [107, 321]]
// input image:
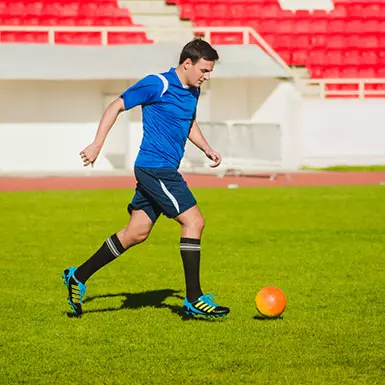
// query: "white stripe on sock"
[[112, 247], [189, 247]]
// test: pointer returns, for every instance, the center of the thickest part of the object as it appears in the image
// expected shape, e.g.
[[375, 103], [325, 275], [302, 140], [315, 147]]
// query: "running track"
[[117, 182]]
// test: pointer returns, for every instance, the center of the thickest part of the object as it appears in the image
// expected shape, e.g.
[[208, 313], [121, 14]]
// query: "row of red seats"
[[66, 21], [365, 3], [308, 41], [19, 6], [74, 38], [346, 42], [295, 26], [354, 87], [67, 13], [346, 72], [74, 9], [334, 58], [230, 2], [332, 41], [247, 11]]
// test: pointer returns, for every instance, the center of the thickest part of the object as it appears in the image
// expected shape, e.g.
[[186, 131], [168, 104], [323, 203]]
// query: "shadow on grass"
[[262, 318], [154, 299]]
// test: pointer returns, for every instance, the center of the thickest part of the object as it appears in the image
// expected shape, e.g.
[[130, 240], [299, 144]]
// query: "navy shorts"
[[161, 191]]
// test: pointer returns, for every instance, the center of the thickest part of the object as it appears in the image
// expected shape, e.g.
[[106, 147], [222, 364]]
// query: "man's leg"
[[137, 231], [193, 223]]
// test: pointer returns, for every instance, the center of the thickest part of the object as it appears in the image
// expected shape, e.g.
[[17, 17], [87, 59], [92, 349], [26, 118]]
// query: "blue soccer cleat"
[[76, 290], [205, 306]]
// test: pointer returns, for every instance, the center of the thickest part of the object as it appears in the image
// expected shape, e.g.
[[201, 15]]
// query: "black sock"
[[190, 251], [110, 250]]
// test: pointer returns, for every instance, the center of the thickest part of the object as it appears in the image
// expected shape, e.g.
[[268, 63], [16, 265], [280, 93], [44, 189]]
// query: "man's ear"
[[187, 63]]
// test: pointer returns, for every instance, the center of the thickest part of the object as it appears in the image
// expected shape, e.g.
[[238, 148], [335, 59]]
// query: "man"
[[169, 102]]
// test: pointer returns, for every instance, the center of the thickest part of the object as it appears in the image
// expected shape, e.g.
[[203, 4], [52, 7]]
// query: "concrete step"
[[156, 20], [300, 72], [309, 5], [149, 7], [308, 89], [156, 16], [170, 36]]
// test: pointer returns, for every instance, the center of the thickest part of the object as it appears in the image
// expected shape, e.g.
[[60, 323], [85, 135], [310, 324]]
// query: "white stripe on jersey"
[[165, 83]]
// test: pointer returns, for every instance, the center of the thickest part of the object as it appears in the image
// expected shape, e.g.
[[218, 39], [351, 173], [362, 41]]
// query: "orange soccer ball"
[[270, 302]]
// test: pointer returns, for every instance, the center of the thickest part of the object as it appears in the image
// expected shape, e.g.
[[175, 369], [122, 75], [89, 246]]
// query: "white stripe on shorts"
[[172, 198]]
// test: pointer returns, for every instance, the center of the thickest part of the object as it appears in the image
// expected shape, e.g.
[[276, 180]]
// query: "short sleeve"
[[145, 91]]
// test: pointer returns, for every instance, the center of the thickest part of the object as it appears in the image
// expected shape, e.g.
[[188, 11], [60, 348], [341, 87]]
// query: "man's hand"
[[214, 156], [89, 154]]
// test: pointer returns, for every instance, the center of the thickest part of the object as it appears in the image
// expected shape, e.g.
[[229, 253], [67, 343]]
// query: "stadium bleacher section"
[[346, 42], [81, 13]]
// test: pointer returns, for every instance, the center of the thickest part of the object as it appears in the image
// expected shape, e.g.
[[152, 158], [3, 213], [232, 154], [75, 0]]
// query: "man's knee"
[[139, 237], [194, 221], [129, 238], [199, 223]]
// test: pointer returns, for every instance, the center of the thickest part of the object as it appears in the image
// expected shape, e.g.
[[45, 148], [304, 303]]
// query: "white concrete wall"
[[44, 124], [315, 132], [282, 105], [343, 131]]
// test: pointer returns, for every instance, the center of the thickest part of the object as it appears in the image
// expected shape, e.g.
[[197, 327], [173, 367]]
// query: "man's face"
[[199, 72]]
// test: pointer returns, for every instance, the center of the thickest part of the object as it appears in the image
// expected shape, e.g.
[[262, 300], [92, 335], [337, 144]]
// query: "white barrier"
[[245, 147]]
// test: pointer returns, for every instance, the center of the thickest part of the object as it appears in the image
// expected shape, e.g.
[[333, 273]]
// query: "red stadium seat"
[[334, 58], [218, 11], [316, 58], [286, 26], [227, 38], [351, 57], [366, 72], [286, 55], [119, 38], [300, 57], [339, 12], [78, 38], [24, 37]]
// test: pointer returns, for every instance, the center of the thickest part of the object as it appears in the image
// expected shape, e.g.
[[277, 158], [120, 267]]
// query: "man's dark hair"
[[198, 49]]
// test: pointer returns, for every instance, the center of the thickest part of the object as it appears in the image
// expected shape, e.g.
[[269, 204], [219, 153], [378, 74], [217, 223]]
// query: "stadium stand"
[[88, 13], [346, 42]]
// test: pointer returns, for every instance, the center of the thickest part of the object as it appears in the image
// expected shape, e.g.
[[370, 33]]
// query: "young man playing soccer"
[[169, 102]]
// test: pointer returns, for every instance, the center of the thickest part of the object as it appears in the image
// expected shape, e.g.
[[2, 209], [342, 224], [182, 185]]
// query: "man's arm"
[[197, 138], [91, 152]]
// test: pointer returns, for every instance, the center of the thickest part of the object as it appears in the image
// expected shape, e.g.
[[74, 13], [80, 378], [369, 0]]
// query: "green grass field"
[[344, 168], [323, 246]]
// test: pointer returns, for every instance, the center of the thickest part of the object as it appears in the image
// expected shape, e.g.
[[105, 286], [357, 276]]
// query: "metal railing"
[[321, 88]]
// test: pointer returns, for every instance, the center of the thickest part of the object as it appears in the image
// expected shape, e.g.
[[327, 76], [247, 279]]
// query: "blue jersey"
[[168, 109]]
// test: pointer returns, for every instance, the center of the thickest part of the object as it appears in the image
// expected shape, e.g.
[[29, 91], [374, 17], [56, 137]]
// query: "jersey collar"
[[172, 71]]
